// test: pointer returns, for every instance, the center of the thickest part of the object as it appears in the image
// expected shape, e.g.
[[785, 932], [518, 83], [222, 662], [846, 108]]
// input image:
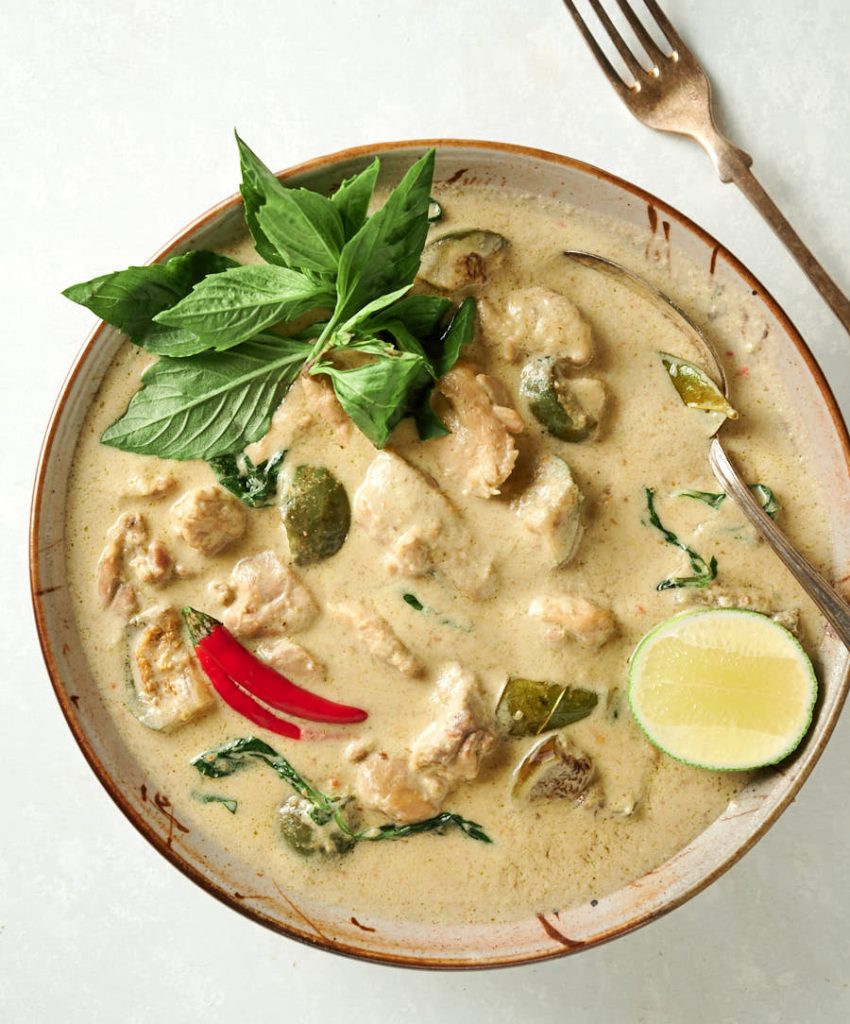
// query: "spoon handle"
[[834, 608]]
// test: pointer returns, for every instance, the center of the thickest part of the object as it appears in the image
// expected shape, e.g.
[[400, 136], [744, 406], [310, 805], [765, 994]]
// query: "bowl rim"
[[115, 791]]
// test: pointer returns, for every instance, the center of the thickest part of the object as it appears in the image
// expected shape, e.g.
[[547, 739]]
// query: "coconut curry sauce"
[[448, 582]]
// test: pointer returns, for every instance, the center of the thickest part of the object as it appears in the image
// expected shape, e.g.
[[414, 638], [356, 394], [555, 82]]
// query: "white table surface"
[[116, 124]]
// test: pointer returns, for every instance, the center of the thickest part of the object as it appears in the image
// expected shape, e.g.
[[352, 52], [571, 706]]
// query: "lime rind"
[[804, 660]]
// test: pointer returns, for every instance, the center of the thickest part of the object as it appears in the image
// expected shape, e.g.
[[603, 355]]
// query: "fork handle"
[[734, 164]]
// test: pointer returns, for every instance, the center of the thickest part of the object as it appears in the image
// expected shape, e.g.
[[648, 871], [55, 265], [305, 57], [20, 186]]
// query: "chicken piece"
[[447, 752], [551, 508], [389, 785], [292, 661], [377, 636], [538, 321], [170, 688], [269, 598], [584, 621], [110, 565], [154, 563], [127, 559], [209, 519], [453, 745], [125, 603], [421, 531], [480, 451], [146, 485]]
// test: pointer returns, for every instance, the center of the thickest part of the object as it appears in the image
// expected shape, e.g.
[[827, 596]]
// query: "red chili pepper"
[[261, 680], [242, 702]]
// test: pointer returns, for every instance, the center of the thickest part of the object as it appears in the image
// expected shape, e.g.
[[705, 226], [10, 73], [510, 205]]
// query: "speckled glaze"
[[467, 946]]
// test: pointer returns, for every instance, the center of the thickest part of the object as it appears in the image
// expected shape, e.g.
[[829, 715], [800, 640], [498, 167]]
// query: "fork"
[[674, 95]]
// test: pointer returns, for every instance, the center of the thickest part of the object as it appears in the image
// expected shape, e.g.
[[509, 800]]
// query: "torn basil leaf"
[[766, 498], [255, 485], [706, 497], [704, 572], [214, 798]]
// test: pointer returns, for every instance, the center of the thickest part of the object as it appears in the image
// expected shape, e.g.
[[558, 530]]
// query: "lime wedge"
[[696, 389], [722, 688]]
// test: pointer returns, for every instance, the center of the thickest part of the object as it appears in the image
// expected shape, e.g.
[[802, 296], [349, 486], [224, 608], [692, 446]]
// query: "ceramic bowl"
[[543, 935]]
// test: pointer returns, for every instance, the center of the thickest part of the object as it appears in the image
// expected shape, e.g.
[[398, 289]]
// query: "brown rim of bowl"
[[115, 792]]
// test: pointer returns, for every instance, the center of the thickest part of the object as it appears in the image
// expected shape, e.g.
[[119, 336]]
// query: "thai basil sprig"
[[224, 364]]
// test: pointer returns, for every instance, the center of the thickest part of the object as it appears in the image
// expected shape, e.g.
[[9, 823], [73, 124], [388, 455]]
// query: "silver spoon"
[[833, 607]]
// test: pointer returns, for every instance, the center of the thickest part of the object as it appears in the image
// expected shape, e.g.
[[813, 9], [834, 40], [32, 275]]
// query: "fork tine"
[[631, 62], [654, 51], [613, 77], [673, 37]]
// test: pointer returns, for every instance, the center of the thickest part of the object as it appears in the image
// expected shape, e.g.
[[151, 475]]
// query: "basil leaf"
[[258, 185], [375, 306], [384, 254], [227, 308], [420, 314], [407, 342], [711, 498], [428, 423], [215, 798], [766, 498], [459, 333], [255, 485], [305, 227], [376, 395], [130, 299], [704, 572], [353, 196], [209, 404]]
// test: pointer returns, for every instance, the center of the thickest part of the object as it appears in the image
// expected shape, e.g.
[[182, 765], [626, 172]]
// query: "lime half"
[[722, 688]]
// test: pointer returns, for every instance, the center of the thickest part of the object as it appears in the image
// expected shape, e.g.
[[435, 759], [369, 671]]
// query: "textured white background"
[[115, 123]]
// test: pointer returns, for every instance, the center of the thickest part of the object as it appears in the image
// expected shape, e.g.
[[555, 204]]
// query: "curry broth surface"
[[545, 856]]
